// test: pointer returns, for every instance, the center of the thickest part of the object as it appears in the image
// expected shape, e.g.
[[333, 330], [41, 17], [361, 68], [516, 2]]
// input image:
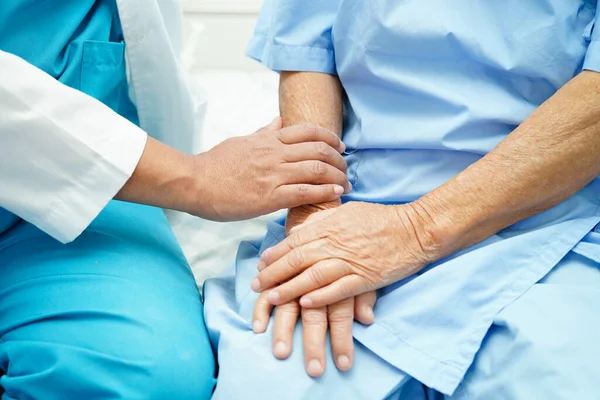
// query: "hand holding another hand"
[[272, 169], [338, 318]]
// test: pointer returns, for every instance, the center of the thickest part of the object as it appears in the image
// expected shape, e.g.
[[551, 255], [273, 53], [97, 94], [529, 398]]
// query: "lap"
[[115, 313], [544, 345]]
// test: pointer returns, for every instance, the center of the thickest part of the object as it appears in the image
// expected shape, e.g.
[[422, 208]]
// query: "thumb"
[[363, 307], [276, 125]]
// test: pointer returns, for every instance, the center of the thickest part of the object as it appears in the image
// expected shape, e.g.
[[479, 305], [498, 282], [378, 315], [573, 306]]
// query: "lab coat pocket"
[[103, 70]]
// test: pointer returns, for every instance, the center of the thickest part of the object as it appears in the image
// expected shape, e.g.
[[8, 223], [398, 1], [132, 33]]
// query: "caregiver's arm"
[[64, 156], [360, 247]]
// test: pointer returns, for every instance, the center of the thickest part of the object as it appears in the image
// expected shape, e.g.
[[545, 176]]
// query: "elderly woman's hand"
[[354, 249], [337, 317]]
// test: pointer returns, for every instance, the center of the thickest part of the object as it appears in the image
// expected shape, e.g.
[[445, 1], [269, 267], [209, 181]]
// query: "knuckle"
[[290, 308], [319, 168], [303, 191], [314, 318], [296, 260], [322, 149], [293, 241], [341, 327], [278, 135], [316, 275], [310, 129], [343, 290]]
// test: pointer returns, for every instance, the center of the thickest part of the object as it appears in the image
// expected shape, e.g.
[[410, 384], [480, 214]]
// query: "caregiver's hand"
[[271, 169], [356, 248]]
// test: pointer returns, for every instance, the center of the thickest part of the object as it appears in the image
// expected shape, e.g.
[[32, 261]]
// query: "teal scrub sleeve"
[[592, 34], [295, 35]]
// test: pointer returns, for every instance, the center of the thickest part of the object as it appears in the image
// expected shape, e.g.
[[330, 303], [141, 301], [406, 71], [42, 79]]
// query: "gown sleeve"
[[295, 35], [592, 58], [63, 154]]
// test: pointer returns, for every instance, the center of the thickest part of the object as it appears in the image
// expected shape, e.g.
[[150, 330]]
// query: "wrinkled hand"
[[272, 169], [338, 317], [356, 248]]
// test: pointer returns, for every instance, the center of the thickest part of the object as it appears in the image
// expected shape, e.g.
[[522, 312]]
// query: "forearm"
[[165, 178], [311, 97], [546, 160]]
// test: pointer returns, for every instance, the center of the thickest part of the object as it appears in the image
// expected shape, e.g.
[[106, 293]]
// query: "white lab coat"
[[64, 155]]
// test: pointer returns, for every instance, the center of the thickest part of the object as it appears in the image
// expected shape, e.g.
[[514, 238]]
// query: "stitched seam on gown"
[[445, 363], [293, 46]]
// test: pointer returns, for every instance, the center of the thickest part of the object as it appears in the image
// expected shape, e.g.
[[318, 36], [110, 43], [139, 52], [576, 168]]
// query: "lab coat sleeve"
[[295, 35], [592, 34], [63, 154]]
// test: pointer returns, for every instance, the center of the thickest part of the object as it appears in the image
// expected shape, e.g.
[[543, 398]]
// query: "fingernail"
[[265, 254], [306, 302], [273, 297], [255, 285], [343, 362], [258, 326], [338, 190], [342, 147], [280, 350], [349, 187], [369, 313], [261, 265], [314, 368]]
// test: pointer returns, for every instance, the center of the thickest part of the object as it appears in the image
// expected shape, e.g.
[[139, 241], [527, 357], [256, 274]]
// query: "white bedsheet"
[[238, 104]]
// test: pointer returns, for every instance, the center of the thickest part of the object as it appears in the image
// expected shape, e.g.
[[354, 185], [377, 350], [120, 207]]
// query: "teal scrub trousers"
[[116, 313]]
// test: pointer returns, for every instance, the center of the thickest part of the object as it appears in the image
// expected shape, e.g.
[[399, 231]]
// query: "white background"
[[242, 97]]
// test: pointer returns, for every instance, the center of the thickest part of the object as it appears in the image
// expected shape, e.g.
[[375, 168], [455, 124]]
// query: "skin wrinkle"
[[551, 156], [315, 98]]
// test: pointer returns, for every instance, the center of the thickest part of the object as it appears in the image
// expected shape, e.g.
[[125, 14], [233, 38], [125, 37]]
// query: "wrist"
[[194, 190], [435, 232]]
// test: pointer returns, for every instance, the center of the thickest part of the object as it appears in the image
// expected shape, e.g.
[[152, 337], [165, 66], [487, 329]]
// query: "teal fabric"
[[116, 313]]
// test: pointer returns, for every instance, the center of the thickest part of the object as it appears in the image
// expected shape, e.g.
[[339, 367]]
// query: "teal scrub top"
[[79, 43]]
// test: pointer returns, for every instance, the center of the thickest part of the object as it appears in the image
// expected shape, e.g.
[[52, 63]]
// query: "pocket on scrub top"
[[103, 71]]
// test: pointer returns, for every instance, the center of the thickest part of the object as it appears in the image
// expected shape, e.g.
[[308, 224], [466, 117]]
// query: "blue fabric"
[[79, 43], [116, 313], [431, 88]]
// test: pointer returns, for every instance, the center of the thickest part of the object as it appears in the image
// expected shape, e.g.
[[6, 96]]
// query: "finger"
[[314, 330], [261, 314], [341, 317], [310, 133], [363, 307], [286, 317], [320, 151], [317, 276], [315, 172], [290, 196], [300, 237], [313, 218], [291, 264], [343, 288], [275, 125]]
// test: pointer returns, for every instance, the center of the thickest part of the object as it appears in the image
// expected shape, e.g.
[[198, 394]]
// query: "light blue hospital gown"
[[432, 86]]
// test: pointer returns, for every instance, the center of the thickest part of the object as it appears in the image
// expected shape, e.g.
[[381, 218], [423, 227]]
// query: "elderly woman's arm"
[[360, 247], [313, 98]]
